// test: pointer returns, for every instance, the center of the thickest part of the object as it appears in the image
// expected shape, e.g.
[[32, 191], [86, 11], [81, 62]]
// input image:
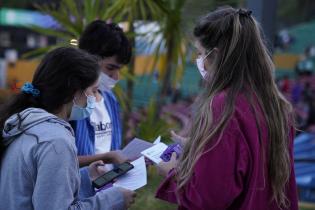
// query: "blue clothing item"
[[297, 93], [29, 89], [84, 131], [40, 170], [304, 149]]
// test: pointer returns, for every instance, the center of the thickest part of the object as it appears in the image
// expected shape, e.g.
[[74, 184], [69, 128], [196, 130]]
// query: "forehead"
[[110, 63], [109, 60]]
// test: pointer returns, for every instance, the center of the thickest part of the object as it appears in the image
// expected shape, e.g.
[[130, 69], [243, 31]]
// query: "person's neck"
[[98, 97], [62, 114]]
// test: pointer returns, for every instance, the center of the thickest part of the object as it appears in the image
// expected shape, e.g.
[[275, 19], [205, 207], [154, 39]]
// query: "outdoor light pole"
[[265, 11]]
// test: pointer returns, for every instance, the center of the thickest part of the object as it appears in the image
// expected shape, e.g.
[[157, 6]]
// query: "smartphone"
[[108, 177]]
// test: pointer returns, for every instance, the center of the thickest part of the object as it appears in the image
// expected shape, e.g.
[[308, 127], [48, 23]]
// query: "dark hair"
[[61, 73], [106, 40]]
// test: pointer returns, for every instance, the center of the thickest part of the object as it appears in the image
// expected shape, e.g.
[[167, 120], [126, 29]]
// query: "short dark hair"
[[106, 40]]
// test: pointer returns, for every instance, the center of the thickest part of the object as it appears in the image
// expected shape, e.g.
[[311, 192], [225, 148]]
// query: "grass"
[[306, 206], [146, 196]]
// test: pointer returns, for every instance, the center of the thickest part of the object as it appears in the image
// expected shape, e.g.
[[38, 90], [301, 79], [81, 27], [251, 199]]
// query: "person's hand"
[[96, 169], [129, 197], [117, 157], [178, 139], [165, 167]]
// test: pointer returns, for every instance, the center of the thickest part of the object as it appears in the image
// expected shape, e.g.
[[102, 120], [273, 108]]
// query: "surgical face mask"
[[106, 83], [79, 113], [201, 65]]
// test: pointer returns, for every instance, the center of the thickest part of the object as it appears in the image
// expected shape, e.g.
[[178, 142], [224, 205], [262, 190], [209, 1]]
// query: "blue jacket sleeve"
[[86, 188], [57, 161]]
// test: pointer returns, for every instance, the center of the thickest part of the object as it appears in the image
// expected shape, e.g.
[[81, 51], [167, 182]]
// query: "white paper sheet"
[[157, 140], [135, 178], [153, 153], [133, 150]]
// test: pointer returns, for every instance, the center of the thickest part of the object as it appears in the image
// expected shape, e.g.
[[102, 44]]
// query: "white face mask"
[[201, 65], [106, 83]]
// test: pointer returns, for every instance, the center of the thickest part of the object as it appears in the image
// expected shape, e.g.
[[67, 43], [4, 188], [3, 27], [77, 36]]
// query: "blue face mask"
[[79, 113]]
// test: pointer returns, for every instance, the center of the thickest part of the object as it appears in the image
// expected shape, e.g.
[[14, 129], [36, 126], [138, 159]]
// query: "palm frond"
[[50, 32]]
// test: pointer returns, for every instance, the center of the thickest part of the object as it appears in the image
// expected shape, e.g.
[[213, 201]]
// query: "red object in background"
[[14, 86], [285, 87]]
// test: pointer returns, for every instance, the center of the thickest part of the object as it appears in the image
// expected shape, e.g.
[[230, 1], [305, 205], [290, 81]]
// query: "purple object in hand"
[[167, 154]]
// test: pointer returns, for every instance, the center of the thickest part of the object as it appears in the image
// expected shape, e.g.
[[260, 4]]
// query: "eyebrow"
[[113, 66]]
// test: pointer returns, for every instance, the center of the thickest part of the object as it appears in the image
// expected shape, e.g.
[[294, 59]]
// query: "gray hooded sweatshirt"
[[40, 170]]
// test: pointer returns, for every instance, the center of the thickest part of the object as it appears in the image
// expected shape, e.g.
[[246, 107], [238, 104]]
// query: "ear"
[[215, 52], [79, 98], [214, 55], [211, 59], [77, 95]]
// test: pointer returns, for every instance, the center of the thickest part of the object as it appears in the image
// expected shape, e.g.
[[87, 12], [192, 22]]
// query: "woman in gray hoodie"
[[39, 166]]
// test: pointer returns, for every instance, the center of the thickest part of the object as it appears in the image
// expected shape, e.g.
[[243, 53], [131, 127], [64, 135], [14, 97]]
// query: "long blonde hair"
[[243, 63]]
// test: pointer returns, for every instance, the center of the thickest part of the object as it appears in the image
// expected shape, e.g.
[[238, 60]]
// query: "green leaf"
[[95, 9], [50, 32], [71, 6], [118, 9], [126, 75], [38, 52], [62, 19], [149, 127], [88, 12], [142, 10], [122, 97]]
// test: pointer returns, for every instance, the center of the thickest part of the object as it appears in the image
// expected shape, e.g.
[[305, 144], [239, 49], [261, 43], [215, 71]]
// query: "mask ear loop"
[[89, 98], [204, 58], [74, 103], [75, 98], [88, 95]]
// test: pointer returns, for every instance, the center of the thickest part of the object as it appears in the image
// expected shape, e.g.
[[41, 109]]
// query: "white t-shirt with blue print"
[[102, 124]]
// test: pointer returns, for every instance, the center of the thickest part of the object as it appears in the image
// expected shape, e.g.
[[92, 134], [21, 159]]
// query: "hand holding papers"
[[153, 152], [135, 150]]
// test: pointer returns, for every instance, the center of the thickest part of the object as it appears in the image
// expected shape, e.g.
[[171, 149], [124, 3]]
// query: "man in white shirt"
[[99, 136]]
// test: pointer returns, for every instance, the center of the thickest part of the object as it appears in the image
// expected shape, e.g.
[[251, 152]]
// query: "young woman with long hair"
[[239, 151]]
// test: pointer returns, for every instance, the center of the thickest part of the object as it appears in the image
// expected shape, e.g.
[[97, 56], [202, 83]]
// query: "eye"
[[110, 68]]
